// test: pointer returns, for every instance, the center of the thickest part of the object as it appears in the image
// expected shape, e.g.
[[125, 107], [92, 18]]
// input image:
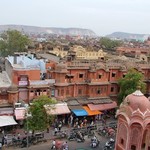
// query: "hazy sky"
[[101, 16]]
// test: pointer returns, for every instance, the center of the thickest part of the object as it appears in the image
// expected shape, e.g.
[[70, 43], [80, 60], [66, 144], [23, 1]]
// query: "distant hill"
[[128, 36], [49, 30]]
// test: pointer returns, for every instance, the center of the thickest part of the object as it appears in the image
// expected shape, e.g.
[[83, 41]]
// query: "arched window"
[[133, 147]]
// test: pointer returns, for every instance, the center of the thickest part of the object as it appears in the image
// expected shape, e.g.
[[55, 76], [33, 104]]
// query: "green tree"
[[129, 84], [39, 120], [109, 44], [13, 41]]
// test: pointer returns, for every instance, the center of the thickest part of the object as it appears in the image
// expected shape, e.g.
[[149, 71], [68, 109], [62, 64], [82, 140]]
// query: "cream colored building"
[[81, 53], [58, 51]]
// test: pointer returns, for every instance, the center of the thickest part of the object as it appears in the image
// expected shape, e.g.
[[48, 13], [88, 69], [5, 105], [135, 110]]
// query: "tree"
[[39, 120], [129, 84], [109, 44], [13, 41]]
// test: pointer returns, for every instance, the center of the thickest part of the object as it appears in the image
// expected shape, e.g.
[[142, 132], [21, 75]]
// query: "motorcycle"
[[66, 148], [109, 144], [53, 147], [94, 142], [80, 137], [72, 136]]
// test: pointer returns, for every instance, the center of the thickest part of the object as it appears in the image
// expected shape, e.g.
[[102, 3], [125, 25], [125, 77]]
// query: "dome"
[[61, 67], [137, 100], [13, 88]]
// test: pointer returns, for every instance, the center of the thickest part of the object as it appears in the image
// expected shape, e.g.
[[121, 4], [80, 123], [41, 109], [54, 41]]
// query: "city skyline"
[[101, 16]]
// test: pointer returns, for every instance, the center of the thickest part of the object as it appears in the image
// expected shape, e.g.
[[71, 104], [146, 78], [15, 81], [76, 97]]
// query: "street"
[[73, 145]]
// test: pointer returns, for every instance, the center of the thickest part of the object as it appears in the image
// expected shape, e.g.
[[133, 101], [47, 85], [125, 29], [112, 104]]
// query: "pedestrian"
[[18, 136], [0, 146], [92, 123], [55, 131], [14, 139], [59, 126], [53, 144], [85, 122], [65, 146], [5, 140], [2, 140], [3, 132]]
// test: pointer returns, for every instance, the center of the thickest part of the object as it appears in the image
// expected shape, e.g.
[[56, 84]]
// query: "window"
[[32, 91], [98, 91], [44, 90], [133, 147], [123, 75], [122, 141], [143, 145], [113, 74], [99, 76], [38, 92], [52, 93], [80, 91], [112, 89], [80, 75]]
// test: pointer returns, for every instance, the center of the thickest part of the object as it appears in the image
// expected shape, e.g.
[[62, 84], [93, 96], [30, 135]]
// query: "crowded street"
[[73, 144]]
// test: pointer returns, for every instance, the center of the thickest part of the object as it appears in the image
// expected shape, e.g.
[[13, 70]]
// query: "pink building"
[[133, 132]]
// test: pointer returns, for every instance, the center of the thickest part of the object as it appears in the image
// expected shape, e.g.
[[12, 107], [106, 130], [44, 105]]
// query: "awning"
[[91, 112], [102, 107], [20, 113], [80, 112], [57, 109], [75, 107], [6, 111], [7, 121]]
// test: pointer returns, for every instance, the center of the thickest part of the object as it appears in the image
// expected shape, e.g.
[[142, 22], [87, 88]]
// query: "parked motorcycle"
[[72, 136], [109, 145], [80, 137], [94, 142]]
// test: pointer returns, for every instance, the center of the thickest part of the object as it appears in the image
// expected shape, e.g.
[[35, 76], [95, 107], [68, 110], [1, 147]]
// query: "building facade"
[[133, 129]]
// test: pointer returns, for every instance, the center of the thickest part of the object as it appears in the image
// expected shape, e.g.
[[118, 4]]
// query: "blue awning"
[[79, 112]]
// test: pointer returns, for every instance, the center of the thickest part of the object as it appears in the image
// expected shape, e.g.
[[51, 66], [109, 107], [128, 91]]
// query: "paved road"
[[73, 145]]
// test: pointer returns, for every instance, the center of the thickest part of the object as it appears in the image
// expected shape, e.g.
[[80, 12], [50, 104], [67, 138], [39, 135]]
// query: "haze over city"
[[101, 16]]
